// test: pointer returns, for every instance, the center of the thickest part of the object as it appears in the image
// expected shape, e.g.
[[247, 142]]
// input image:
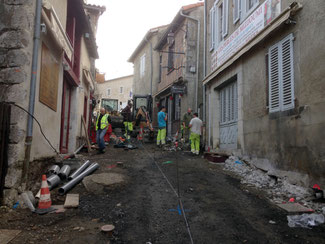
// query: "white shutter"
[[216, 24], [287, 73], [236, 10], [225, 18], [274, 79], [281, 77], [212, 28]]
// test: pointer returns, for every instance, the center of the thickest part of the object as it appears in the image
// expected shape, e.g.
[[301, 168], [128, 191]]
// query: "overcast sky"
[[122, 27]]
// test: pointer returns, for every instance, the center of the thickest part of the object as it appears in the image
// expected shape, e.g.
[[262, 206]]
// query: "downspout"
[[204, 70], [204, 59], [151, 64], [197, 56], [32, 91]]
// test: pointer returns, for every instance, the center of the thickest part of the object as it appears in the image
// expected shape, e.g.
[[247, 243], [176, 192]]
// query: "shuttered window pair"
[[281, 75], [218, 22]]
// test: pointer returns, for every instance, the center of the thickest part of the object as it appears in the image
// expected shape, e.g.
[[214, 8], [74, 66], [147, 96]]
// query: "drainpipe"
[[197, 56], [29, 135], [151, 71], [204, 59]]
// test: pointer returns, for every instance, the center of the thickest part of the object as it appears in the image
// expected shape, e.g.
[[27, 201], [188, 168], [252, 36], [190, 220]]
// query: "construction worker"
[[101, 128], [162, 118], [185, 124], [196, 128], [127, 117]]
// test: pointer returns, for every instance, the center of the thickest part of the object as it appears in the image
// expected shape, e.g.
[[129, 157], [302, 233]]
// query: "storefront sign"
[[253, 25], [178, 89]]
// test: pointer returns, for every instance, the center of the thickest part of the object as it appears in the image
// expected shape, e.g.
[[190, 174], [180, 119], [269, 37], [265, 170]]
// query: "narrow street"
[[145, 208]]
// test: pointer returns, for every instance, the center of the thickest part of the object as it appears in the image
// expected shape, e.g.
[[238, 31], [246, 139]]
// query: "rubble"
[[278, 189]]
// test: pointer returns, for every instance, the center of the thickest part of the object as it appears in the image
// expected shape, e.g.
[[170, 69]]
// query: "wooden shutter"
[[225, 18], [274, 79], [287, 73], [212, 28]]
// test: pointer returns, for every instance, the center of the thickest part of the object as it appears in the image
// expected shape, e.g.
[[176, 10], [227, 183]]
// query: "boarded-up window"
[[281, 79], [49, 80]]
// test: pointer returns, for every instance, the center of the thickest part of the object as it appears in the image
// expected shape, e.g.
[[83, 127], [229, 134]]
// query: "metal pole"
[[32, 92]]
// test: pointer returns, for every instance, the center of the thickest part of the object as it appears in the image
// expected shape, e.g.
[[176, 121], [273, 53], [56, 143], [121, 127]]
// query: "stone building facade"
[[265, 85], [63, 83], [120, 89], [181, 65]]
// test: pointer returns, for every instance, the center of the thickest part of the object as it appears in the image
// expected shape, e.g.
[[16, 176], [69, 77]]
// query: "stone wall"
[[16, 43]]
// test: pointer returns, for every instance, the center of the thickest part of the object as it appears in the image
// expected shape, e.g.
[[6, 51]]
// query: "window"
[[248, 6], [236, 10], [142, 65], [218, 23], [171, 57], [229, 104], [281, 77], [251, 4], [121, 89], [108, 91]]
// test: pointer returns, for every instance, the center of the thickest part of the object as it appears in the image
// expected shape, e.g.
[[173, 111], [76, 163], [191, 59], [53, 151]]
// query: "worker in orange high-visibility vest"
[[101, 128]]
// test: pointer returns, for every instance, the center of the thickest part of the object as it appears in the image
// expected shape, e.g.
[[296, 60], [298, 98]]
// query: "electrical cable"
[[177, 194], [38, 125]]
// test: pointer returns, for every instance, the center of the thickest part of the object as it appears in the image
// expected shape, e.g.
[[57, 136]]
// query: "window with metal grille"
[[281, 75], [108, 91]]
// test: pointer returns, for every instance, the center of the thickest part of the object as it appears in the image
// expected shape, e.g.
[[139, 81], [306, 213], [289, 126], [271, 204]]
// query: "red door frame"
[[64, 148]]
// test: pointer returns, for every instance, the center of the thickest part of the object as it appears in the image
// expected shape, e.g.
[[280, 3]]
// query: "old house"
[[115, 93], [265, 84], [180, 75], [147, 65], [47, 52]]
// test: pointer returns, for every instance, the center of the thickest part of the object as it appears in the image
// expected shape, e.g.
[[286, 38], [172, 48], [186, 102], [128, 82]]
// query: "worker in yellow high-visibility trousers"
[[196, 131], [162, 118]]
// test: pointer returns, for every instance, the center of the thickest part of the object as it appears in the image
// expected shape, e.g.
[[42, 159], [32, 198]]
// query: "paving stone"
[[294, 208], [8, 235], [71, 201]]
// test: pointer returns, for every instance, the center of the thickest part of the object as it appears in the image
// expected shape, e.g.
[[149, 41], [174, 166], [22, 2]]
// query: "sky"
[[122, 27]]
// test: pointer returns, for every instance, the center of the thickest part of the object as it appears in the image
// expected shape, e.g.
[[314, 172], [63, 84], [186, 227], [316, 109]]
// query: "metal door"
[[228, 116]]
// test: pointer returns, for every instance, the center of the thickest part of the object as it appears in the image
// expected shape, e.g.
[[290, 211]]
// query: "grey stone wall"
[[16, 41]]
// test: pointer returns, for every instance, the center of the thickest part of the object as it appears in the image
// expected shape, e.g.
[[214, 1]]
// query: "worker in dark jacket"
[[127, 118]]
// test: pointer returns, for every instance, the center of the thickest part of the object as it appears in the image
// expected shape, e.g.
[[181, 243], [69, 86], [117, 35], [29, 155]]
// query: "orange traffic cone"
[[44, 204]]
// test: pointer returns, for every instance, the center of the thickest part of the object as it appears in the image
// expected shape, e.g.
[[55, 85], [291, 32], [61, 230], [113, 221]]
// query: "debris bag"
[[305, 220]]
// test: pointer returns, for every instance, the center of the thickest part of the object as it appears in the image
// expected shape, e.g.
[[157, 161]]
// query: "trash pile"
[[279, 190], [53, 178]]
